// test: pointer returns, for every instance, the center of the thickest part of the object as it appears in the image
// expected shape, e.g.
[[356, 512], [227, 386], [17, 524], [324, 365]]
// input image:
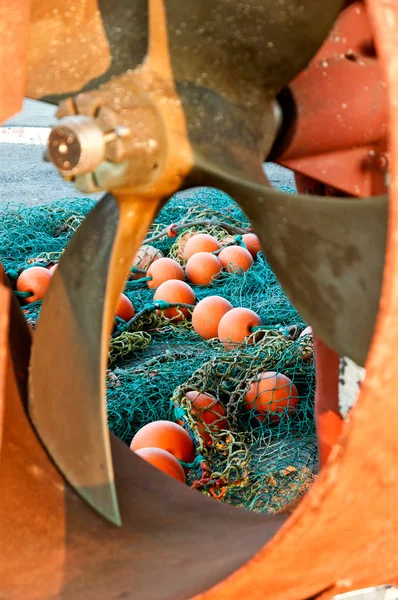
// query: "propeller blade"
[[125, 25], [67, 405], [68, 342], [67, 47], [328, 254]]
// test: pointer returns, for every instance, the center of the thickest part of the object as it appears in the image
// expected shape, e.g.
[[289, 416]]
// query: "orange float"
[[34, 280], [164, 461], [272, 393], [202, 268], [235, 326], [202, 242], [209, 413], [252, 243], [145, 256], [165, 435], [125, 308], [175, 291], [207, 315], [235, 259], [164, 269], [181, 243]]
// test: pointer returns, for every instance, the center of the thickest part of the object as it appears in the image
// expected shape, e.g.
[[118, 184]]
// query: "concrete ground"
[[25, 177]]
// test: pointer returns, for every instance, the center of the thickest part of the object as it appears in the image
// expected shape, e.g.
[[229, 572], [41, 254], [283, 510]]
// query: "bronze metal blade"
[[67, 47], [68, 405], [65, 410], [328, 254]]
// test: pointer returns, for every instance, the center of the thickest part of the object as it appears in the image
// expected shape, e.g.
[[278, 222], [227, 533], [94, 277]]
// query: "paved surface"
[[34, 113], [25, 177]]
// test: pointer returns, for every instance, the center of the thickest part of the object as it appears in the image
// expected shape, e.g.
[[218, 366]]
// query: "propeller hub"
[[77, 145]]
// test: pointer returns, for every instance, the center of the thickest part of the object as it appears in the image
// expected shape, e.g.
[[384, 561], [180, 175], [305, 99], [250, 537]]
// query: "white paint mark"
[[30, 136], [351, 377]]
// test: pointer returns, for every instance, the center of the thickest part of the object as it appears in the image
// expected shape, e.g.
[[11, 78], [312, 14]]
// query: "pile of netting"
[[258, 463]]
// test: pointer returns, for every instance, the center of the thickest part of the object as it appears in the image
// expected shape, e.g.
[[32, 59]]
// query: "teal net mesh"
[[258, 461]]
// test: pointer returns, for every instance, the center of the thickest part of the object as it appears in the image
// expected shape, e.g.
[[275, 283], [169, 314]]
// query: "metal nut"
[[76, 145]]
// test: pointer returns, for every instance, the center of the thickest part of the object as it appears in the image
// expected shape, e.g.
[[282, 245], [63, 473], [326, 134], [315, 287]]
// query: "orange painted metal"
[[351, 35], [340, 104], [4, 323], [328, 420], [356, 172], [329, 423], [14, 33], [341, 115], [14, 350]]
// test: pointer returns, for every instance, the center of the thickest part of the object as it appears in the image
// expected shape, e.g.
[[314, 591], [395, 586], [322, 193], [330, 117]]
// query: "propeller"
[[200, 109]]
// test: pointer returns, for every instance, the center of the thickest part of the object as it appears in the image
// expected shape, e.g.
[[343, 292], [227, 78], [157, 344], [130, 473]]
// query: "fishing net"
[[257, 460]]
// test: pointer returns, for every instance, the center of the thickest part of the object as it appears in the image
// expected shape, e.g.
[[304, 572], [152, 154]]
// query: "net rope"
[[259, 464]]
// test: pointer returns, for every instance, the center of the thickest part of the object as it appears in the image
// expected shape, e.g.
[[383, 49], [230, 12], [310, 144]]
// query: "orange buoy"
[[164, 461], [53, 268], [181, 243], [273, 394], [175, 291], [235, 259], [209, 414], [207, 315], [307, 331], [165, 435], [125, 308], [236, 325], [145, 256], [202, 268], [252, 243], [202, 242], [34, 280], [163, 270]]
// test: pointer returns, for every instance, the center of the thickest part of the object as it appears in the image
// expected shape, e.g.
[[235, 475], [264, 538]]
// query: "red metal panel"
[[352, 34], [356, 172], [340, 104]]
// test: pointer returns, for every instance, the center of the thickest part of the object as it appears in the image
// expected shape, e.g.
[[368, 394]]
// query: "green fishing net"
[[257, 460]]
